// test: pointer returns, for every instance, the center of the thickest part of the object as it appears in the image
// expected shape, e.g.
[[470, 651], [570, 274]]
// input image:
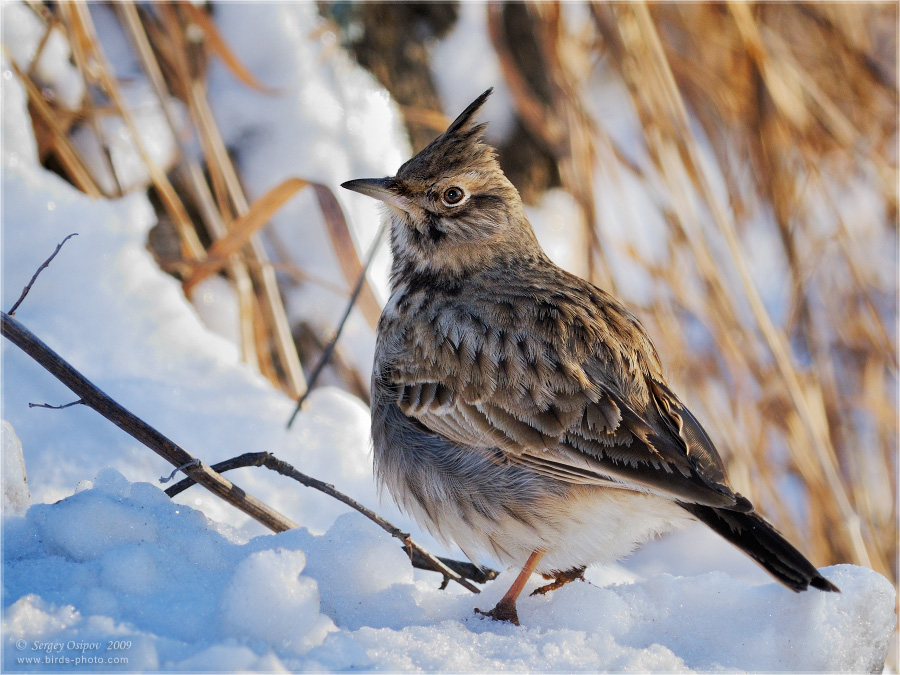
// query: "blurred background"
[[728, 170]]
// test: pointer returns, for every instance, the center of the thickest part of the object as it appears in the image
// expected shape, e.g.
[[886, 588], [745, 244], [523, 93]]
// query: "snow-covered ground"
[[101, 571]]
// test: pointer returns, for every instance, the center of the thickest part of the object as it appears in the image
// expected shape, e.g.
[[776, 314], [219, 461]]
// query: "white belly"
[[589, 525]]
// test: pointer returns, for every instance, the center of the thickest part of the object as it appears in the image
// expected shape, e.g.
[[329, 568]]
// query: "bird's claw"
[[560, 579], [502, 612]]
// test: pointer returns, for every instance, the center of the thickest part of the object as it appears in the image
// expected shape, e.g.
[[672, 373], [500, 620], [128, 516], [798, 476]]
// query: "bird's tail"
[[762, 542]]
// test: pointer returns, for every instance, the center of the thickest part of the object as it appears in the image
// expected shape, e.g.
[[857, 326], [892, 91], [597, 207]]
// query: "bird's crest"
[[460, 146], [464, 123]]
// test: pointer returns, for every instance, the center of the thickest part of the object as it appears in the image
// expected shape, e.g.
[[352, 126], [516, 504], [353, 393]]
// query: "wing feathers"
[[562, 401], [627, 456]]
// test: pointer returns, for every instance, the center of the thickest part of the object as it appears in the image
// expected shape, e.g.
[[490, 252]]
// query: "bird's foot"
[[560, 579], [502, 612]]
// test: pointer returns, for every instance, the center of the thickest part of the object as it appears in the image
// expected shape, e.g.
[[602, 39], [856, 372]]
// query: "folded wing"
[[578, 431]]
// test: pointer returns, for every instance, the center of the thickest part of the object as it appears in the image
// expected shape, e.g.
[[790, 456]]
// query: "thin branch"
[[92, 397], [467, 570], [197, 472], [329, 349], [286, 469], [247, 459], [55, 407], [451, 569], [39, 270], [166, 479]]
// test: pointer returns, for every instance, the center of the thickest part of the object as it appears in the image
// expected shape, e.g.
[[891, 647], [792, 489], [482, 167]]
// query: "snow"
[[155, 135], [22, 34], [101, 568], [16, 497], [120, 561], [552, 222], [217, 304], [464, 64]]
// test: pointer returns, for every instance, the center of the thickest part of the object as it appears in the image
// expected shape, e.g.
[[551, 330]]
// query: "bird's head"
[[451, 206]]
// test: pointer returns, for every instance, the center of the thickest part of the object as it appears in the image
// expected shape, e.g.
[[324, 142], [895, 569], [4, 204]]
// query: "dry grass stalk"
[[820, 438], [192, 176], [343, 245], [77, 18], [59, 143], [238, 234], [681, 68], [561, 122], [205, 203], [276, 350], [220, 48]]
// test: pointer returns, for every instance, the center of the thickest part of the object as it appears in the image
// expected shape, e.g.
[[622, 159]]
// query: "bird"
[[519, 411]]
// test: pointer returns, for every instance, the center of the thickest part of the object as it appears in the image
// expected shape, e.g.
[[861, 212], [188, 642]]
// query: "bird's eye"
[[452, 195]]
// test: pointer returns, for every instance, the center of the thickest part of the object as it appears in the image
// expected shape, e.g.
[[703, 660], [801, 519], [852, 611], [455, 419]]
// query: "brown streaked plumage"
[[518, 410]]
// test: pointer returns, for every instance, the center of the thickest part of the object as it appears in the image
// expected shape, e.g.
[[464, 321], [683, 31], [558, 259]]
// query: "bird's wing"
[[560, 417], [631, 454], [683, 424]]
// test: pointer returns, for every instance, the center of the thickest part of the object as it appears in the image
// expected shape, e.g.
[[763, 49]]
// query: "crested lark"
[[518, 410]]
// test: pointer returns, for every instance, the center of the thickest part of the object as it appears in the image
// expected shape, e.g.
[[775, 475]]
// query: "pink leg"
[[506, 608]]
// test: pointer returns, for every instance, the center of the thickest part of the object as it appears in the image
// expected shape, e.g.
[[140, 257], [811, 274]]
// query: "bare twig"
[[467, 570], [239, 462], [166, 479], [93, 398], [197, 472], [55, 407], [286, 469], [451, 569], [329, 349], [39, 270]]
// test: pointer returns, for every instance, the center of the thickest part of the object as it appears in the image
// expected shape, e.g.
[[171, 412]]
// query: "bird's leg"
[[560, 579], [506, 608]]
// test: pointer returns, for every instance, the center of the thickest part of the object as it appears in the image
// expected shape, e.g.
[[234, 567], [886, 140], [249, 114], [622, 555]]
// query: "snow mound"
[[130, 567], [16, 497]]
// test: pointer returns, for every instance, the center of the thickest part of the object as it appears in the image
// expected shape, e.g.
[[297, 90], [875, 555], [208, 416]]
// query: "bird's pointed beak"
[[379, 188]]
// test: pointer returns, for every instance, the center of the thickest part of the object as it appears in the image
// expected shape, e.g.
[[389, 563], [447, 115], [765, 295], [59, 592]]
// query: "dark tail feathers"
[[762, 542]]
